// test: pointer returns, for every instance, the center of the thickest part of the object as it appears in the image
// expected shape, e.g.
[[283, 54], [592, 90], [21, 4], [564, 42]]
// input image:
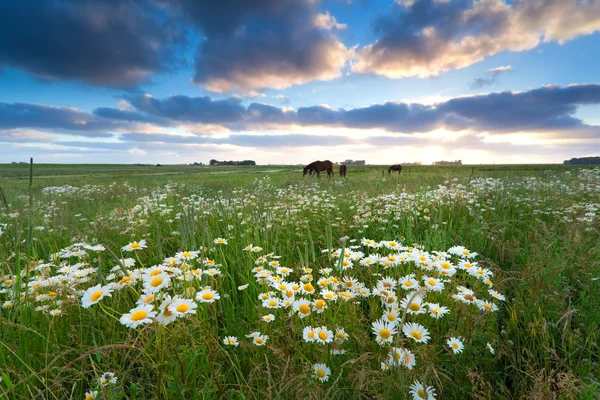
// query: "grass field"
[[253, 282]]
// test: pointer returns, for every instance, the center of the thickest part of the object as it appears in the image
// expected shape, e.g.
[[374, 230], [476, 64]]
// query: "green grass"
[[528, 224]]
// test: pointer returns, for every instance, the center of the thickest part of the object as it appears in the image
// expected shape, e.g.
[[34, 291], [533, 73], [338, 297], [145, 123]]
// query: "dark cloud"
[[425, 37], [24, 115], [263, 44], [108, 43]]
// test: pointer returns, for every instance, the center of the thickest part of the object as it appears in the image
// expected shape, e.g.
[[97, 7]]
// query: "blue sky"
[[180, 81]]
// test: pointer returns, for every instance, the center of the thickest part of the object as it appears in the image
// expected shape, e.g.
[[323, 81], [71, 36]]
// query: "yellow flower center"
[[96, 295], [393, 244], [446, 265], [272, 303], [186, 254], [468, 265], [304, 308], [149, 299], [408, 283], [416, 334], [421, 393], [311, 334], [320, 373], [135, 245], [469, 297], [208, 296], [322, 335], [139, 315], [340, 335], [308, 287], [385, 333], [414, 307], [259, 340], [487, 306], [320, 304], [391, 317], [124, 280], [455, 346], [182, 308], [155, 272], [156, 281], [329, 295], [281, 286], [431, 282]]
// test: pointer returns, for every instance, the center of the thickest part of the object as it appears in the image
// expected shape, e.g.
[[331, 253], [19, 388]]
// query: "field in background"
[[535, 229]]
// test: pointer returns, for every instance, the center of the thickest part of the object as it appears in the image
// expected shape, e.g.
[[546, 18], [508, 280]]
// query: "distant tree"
[[213, 162], [583, 161]]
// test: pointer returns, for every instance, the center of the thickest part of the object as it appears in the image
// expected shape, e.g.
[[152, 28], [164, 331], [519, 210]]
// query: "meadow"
[[184, 282]]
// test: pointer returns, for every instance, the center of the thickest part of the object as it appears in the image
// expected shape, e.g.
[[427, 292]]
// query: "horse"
[[317, 167], [395, 167], [343, 170]]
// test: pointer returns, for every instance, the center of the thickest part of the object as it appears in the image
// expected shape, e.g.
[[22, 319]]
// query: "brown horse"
[[317, 167], [395, 167], [343, 170]]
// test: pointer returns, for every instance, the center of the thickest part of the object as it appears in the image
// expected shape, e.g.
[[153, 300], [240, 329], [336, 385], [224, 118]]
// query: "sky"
[[292, 81]]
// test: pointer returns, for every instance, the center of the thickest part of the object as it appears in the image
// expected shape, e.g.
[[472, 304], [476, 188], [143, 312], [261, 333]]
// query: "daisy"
[[302, 307], [340, 335], [91, 395], [220, 241], [491, 349], [485, 305], [391, 316], [416, 332], [260, 340], [165, 316], [155, 283], [412, 304], [384, 331], [183, 307], [268, 318], [433, 284], [138, 316], [322, 372], [456, 345], [496, 295], [135, 246], [271, 302], [309, 334], [207, 295], [231, 341], [94, 294], [422, 392], [243, 287], [323, 335], [437, 311], [107, 378]]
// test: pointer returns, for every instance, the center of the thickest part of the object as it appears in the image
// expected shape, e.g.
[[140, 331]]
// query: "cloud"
[[493, 75], [106, 43], [425, 37], [77, 122], [328, 21], [24, 136], [263, 44]]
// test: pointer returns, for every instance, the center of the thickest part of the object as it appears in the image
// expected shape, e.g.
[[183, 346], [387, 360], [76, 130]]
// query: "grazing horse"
[[395, 167], [316, 167], [343, 170]]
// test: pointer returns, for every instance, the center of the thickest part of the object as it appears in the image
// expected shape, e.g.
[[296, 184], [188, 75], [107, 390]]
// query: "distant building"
[[456, 162], [583, 161], [353, 162]]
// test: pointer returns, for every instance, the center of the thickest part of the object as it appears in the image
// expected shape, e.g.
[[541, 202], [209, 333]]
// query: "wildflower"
[[220, 241], [91, 395], [456, 345], [231, 341], [302, 307], [485, 305], [207, 295], [322, 372], [401, 357], [183, 307], [135, 246], [384, 331], [107, 378], [490, 348], [422, 392], [55, 313], [340, 335], [243, 287], [436, 311], [138, 316], [416, 332], [165, 316], [391, 316], [496, 295], [433, 284], [412, 304], [323, 335], [94, 294], [153, 284], [309, 334], [268, 318], [258, 339], [270, 302]]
